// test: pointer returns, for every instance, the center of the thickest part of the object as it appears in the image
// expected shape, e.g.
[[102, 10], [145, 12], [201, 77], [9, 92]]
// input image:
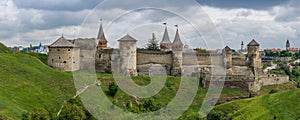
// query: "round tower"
[[177, 48], [128, 62]]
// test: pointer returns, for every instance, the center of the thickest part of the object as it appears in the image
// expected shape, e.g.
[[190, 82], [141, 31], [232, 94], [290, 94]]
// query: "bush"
[[113, 89], [72, 112], [40, 114], [273, 91]]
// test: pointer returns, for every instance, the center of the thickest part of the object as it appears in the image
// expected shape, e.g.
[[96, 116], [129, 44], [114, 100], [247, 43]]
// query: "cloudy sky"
[[207, 24]]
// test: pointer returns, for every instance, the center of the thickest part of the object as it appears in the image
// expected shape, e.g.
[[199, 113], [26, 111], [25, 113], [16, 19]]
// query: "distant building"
[[41, 49]]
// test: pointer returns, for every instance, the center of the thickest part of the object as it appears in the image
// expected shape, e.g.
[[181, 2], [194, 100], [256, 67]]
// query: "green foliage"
[[224, 112], [152, 43], [25, 116], [113, 89], [72, 112], [265, 65], [273, 91], [40, 114], [283, 53]]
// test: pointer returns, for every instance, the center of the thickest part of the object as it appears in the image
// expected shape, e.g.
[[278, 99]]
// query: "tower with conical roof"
[[177, 48], [177, 44], [128, 52], [253, 58], [102, 42], [64, 55], [288, 45], [165, 44]]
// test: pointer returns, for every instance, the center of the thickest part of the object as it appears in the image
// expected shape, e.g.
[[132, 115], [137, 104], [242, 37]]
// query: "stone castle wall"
[[209, 59], [155, 59], [272, 79], [239, 61]]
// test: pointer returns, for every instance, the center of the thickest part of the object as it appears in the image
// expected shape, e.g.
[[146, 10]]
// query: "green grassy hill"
[[26, 84], [282, 106], [4, 49]]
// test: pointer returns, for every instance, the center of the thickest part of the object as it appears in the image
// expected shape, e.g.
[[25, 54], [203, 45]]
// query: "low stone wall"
[[273, 79]]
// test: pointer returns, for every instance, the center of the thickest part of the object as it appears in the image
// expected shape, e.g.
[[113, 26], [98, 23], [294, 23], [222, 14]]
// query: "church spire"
[[165, 43], [288, 45], [101, 37], [177, 44]]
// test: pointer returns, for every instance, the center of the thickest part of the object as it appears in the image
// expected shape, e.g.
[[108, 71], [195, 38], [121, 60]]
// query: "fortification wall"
[[103, 60], [87, 53], [154, 57], [146, 59], [239, 61], [210, 59], [272, 79]]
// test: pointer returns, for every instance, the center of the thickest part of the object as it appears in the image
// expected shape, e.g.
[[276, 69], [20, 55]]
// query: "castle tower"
[[254, 60], [128, 54], [242, 45], [228, 56], [64, 55], [177, 48], [287, 45], [101, 37], [165, 44]]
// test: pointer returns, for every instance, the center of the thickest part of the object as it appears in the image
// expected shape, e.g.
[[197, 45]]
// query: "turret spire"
[[165, 43], [177, 44], [101, 35]]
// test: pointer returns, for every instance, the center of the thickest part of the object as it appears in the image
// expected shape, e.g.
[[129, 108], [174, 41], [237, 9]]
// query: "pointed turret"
[[177, 44], [165, 43], [101, 37]]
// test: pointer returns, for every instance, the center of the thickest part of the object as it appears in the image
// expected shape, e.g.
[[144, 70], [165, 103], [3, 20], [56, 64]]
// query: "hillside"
[[26, 84], [4, 49], [283, 105]]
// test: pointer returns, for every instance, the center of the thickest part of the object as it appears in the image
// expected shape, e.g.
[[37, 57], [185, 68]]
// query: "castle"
[[241, 71]]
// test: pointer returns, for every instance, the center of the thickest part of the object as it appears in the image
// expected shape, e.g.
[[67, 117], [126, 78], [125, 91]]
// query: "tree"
[[152, 43], [72, 112], [113, 89], [40, 114]]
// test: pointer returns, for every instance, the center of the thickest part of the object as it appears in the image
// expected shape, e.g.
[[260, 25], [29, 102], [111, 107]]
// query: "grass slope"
[[26, 84], [4, 49], [282, 105]]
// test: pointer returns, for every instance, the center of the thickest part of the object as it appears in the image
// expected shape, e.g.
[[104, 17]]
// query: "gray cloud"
[[247, 4], [57, 5], [32, 21]]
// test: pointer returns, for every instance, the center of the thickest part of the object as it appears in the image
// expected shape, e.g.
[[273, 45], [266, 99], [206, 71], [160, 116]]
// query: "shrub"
[[273, 91], [113, 89]]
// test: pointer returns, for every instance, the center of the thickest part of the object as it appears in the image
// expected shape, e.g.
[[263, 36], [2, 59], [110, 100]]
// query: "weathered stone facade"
[[63, 55], [239, 71]]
